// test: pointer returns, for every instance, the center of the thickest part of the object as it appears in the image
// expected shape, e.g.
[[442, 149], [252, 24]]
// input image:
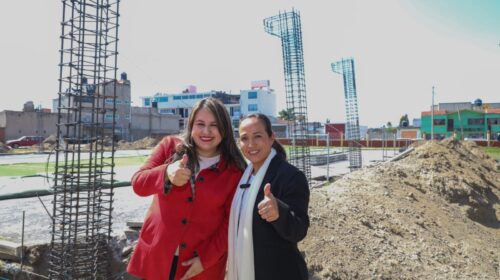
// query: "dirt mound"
[[51, 140], [144, 143], [432, 215]]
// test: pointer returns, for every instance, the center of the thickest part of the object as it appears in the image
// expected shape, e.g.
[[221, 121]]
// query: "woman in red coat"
[[193, 180]]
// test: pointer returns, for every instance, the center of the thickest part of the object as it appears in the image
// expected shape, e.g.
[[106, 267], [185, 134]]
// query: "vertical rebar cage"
[[84, 168], [345, 67], [287, 26]]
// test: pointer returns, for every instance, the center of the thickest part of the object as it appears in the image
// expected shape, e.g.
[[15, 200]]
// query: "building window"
[[199, 96], [236, 123], [109, 101], [161, 99], [252, 107], [147, 102], [494, 121], [475, 121], [177, 97], [127, 116], [207, 95], [166, 111], [185, 97], [252, 95], [439, 122], [192, 96]]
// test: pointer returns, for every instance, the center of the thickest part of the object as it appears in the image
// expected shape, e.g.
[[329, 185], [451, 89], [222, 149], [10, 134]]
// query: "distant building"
[[416, 122], [409, 132], [181, 104], [381, 133], [122, 105], [14, 124], [462, 120], [259, 99], [337, 130], [147, 122]]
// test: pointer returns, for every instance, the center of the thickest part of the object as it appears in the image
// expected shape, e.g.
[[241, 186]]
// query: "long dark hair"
[[228, 149], [280, 151]]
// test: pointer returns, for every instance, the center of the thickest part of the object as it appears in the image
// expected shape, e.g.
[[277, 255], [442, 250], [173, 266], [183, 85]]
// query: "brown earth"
[[432, 215], [144, 143]]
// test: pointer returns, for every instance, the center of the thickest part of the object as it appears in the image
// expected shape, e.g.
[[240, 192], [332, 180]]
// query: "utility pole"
[[432, 115]]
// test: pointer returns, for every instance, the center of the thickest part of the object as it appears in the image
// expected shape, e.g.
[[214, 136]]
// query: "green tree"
[[403, 121], [286, 114], [389, 127]]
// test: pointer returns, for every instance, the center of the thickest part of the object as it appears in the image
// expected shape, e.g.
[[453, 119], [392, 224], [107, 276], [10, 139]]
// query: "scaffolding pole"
[[345, 67], [287, 27], [84, 174]]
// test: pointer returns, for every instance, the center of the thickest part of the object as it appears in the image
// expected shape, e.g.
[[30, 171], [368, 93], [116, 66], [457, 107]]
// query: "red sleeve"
[[214, 248], [150, 178]]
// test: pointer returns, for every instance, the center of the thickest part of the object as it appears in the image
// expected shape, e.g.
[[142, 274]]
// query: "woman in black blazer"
[[269, 210]]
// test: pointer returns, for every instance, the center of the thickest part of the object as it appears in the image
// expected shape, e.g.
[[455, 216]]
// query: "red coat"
[[196, 226]]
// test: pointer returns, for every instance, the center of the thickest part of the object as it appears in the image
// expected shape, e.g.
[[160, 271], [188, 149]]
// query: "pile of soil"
[[431, 215], [141, 144]]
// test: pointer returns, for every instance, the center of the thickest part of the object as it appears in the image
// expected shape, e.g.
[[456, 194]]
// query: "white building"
[[181, 104], [259, 99]]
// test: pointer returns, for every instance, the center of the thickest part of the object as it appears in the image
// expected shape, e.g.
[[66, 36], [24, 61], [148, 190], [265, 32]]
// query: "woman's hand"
[[268, 207], [177, 172], [195, 268]]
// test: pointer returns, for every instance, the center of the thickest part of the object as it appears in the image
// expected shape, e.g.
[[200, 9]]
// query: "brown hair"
[[227, 147], [280, 151]]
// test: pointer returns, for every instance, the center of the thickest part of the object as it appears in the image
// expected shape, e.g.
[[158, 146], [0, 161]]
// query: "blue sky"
[[401, 49]]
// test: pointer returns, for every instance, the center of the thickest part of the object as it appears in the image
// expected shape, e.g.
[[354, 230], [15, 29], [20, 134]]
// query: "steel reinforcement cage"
[[287, 27], [84, 168], [345, 67]]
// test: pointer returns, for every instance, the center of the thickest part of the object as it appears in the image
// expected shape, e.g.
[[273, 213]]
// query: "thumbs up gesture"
[[268, 207], [178, 173]]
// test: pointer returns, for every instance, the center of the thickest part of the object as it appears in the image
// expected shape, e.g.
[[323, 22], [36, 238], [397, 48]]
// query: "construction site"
[[431, 210]]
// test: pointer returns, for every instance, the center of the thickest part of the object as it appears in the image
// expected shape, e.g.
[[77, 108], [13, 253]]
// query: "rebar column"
[[345, 67], [287, 27], [84, 171]]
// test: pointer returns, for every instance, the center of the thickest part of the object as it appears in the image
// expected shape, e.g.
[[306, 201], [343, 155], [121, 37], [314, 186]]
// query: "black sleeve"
[[293, 203]]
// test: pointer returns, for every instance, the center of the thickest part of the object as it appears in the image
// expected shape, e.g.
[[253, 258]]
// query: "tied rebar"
[[84, 171], [287, 27], [345, 67]]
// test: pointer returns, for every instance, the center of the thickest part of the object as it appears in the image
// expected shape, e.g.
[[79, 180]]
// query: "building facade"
[[181, 104], [468, 122], [122, 105], [14, 124], [147, 122], [258, 99]]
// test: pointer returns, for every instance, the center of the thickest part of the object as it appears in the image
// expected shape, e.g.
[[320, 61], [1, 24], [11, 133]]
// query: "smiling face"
[[205, 133], [255, 142]]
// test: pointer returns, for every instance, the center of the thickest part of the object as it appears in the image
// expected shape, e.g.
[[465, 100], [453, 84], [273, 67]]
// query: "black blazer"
[[276, 255]]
